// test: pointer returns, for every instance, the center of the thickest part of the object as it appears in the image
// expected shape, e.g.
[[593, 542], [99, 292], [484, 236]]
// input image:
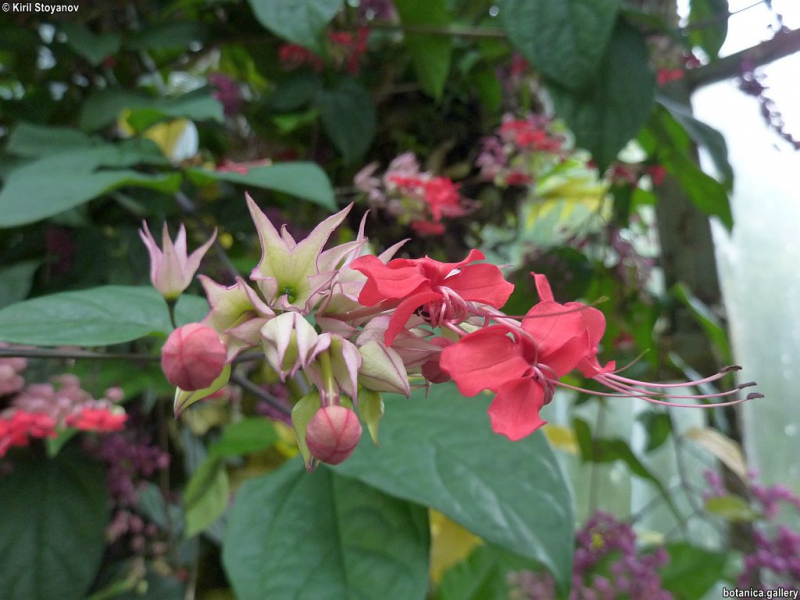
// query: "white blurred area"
[[759, 262]]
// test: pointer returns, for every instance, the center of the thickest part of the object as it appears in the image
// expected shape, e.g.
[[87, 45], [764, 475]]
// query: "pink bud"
[[193, 357], [333, 434]]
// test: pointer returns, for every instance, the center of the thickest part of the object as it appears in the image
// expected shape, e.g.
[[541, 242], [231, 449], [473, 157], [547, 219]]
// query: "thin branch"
[[783, 44], [251, 387], [465, 32], [74, 354]]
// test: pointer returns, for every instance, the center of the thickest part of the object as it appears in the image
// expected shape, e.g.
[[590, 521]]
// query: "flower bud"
[[193, 357], [333, 434], [382, 369]]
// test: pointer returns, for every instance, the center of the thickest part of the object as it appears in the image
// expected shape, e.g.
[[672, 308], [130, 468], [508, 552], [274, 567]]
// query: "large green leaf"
[[105, 107], [711, 20], [299, 21], [15, 281], [31, 141], [53, 518], [95, 317], [302, 179], [206, 496], [56, 183], [607, 114], [691, 571], [93, 47], [431, 53], [348, 116], [704, 136], [321, 536], [440, 451], [564, 39], [668, 140], [483, 576]]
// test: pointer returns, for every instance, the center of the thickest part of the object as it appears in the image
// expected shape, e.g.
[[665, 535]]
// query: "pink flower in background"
[[171, 270]]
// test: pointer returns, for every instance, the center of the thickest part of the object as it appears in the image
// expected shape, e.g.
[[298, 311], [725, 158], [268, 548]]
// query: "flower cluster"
[[379, 321], [775, 559], [414, 197], [345, 52], [43, 410], [609, 546], [521, 150]]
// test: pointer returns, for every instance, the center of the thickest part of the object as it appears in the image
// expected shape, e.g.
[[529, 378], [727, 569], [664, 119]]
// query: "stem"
[[74, 354], [171, 303], [251, 387], [328, 380]]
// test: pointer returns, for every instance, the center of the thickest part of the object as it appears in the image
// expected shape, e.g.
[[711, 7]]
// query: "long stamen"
[[719, 375]]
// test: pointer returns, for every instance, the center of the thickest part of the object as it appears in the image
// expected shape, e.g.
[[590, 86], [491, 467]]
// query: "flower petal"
[[481, 283], [514, 412], [484, 360]]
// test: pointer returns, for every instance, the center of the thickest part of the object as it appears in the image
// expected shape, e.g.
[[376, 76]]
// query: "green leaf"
[[298, 21], [31, 141], [53, 521], [98, 316], [302, 413], [668, 140], [348, 116], [704, 136], [301, 179], [371, 410], [731, 508], [711, 18], [15, 281], [606, 115], [56, 183], [712, 327], [105, 107], [440, 451], [691, 571], [564, 39], [94, 48], [431, 53], [206, 496], [167, 35], [292, 534], [604, 450], [658, 427], [248, 435], [483, 576]]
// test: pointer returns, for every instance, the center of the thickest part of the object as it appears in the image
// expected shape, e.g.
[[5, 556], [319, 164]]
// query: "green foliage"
[[58, 182], [482, 576], [93, 48], [431, 54], [691, 571], [298, 21], [607, 114], [324, 536], [348, 116], [704, 136], [300, 179], [15, 281], [711, 324], [53, 521], [565, 40], [206, 496], [105, 107], [711, 20], [658, 427], [669, 142], [95, 317], [440, 452]]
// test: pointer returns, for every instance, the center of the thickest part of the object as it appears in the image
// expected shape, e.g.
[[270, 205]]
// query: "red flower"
[[522, 365], [17, 429], [97, 419], [438, 291]]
